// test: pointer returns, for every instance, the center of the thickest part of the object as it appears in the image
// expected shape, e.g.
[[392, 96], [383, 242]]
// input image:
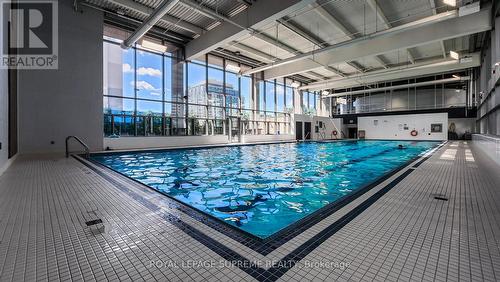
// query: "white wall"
[[56, 103], [326, 131], [489, 144], [392, 127], [125, 143]]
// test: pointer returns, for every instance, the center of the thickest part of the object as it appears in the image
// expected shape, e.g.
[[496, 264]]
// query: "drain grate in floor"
[[440, 198], [93, 222]]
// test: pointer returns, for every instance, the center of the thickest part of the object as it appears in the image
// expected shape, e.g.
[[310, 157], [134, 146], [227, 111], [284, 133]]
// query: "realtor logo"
[[29, 33]]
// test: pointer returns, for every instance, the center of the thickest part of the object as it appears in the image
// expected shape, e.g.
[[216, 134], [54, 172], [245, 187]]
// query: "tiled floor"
[[407, 234]]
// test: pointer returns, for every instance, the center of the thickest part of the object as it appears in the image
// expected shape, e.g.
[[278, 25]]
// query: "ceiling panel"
[[402, 12]]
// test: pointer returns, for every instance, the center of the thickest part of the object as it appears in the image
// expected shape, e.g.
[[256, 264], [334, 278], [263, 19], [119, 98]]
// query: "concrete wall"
[[392, 127], [489, 144], [487, 91], [56, 103], [125, 143], [4, 118]]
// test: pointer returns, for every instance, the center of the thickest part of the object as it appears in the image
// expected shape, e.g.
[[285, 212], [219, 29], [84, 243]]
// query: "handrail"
[[87, 150], [307, 134], [322, 135]]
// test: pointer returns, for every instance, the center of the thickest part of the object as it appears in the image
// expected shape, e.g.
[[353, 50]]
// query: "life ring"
[[334, 132], [414, 132]]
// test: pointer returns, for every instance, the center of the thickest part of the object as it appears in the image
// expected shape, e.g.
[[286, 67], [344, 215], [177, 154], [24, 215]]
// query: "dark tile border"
[[279, 268], [271, 243]]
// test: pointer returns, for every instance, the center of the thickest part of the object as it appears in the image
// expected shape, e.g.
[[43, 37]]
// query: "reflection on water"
[[262, 189]]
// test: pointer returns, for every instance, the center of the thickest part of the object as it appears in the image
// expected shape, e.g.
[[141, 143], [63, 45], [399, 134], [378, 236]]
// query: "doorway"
[[298, 130], [234, 129], [307, 130], [353, 133]]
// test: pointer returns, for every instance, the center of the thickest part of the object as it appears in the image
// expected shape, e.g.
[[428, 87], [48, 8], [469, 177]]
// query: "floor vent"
[[440, 198], [93, 222]]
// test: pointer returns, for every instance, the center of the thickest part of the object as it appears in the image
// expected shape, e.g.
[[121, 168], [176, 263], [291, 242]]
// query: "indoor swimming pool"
[[262, 189]]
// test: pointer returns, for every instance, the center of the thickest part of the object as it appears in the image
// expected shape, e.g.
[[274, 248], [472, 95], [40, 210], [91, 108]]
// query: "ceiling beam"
[[149, 22], [200, 9], [431, 29], [270, 58], [142, 9], [255, 17], [434, 12], [289, 49], [358, 67], [293, 27], [381, 62], [394, 73], [254, 52], [387, 25], [328, 17]]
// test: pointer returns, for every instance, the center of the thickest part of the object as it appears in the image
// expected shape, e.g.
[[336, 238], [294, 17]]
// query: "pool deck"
[[406, 234]]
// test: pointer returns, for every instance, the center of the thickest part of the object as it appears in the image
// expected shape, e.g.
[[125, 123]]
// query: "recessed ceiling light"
[[454, 55], [153, 46], [325, 92], [233, 68], [456, 76], [452, 3]]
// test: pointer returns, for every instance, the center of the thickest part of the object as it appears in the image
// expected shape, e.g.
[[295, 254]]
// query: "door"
[[353, 133], [298, 130], [307, 130], [234, 129]]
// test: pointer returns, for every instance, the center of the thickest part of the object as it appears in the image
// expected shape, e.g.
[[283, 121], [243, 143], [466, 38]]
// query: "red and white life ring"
[[414, 132], [335, 132]]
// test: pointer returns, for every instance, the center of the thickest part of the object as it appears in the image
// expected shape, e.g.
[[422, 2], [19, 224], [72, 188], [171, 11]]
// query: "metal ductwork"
[[150, 21]]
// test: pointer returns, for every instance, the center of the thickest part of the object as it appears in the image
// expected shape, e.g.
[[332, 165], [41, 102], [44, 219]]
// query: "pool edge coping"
[[264, 246]]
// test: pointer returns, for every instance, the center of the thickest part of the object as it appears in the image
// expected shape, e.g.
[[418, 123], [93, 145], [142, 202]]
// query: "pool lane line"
[[279, 268], [264, 246]]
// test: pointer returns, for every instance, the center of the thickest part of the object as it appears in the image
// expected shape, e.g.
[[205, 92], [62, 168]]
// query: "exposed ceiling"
[[280, 36]]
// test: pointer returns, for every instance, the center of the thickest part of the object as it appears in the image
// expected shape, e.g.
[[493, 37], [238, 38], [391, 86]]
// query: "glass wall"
[[153, 94]]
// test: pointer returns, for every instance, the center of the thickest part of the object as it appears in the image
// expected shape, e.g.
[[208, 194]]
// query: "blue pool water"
[[262, 189]]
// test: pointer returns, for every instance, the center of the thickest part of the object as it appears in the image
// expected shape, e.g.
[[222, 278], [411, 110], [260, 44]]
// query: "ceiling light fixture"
[[233, 68], [454, 55], [452, 3], [153, 46], [325, 92], [456, 76], [295, 84]]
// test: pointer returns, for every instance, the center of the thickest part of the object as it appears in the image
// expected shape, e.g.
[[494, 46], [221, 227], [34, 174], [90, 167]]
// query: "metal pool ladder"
[[87, 150]]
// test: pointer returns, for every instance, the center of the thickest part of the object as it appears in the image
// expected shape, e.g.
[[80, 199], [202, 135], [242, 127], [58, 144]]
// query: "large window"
[[152, 94], [246, 92], [232, 92], [280, 97], [289, 99], [149, 76]]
